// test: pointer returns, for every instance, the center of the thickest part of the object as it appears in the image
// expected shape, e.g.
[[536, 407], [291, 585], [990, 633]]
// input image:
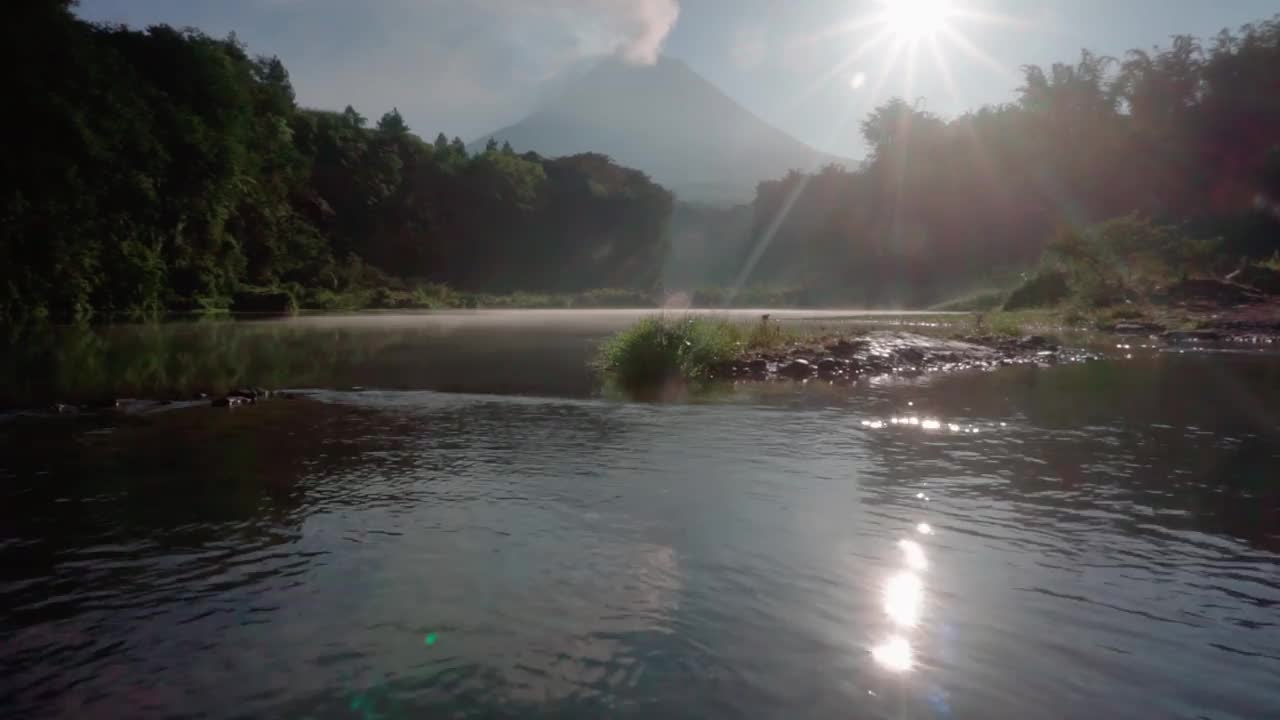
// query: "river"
[[454, 520]]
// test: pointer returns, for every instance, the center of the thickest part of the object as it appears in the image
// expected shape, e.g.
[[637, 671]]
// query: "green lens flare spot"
[[430, 639]]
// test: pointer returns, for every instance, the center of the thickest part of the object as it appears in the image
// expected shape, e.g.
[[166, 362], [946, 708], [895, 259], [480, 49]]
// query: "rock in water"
[[232, 401], [843, 348], [830, 366], [797, 369]]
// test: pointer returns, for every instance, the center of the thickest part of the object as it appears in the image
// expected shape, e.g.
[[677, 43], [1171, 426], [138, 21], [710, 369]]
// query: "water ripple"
[[411, 553]]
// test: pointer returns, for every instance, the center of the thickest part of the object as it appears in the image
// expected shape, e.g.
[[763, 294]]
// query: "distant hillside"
[[666, 120]]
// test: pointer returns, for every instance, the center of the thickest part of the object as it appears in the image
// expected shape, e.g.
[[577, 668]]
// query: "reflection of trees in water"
[[62, 363], [167, 360], [200, 513], [150, 508], [197, 475], [459, 511]]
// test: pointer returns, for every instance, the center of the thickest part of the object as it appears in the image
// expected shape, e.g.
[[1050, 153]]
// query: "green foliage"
[[764, 335], [613, 298], [1121, 259], [1046, 288], [393, 124], [1074, 317], [1020, 323], [162, 169], [659, 350], [520, 299], [1004, 324], [1180, 142], [263, 300], [662, 349], [1120, 313]]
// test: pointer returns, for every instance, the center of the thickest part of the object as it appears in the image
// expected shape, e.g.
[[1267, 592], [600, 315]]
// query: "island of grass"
[[662, 350]]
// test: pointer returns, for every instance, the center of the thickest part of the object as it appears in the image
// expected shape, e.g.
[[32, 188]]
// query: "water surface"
[[1097, 540]]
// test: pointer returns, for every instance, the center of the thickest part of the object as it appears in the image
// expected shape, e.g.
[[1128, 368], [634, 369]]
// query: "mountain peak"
[[666, 120]]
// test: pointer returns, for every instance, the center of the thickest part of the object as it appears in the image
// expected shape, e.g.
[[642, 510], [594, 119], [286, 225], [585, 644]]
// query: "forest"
[[1166, 160], [164, 170]]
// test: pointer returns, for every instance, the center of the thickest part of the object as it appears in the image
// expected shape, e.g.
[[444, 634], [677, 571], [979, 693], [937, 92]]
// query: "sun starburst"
[[913, 20]]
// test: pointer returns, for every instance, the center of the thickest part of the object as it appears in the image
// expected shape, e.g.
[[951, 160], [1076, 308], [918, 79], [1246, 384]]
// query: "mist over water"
[[1094, 540], [546, 352]]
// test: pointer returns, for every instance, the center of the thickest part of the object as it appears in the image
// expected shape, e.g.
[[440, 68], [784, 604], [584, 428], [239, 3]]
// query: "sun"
[[916, 19]]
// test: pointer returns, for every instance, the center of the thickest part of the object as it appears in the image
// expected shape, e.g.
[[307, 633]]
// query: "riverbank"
[[660, 350], [1206, 310]]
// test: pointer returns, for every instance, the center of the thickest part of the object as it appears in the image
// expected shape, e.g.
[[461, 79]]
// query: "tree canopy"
[[1187, 136], [163, 169]]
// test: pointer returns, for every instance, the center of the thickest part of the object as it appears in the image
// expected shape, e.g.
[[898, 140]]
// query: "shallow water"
[[1102, 542], [499, 351]]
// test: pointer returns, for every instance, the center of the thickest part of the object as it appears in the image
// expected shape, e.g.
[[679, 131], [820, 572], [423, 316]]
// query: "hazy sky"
[[468, 67]]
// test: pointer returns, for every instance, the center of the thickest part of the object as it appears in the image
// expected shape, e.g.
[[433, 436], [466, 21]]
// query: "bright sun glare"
[[916, 19], [888, 40]]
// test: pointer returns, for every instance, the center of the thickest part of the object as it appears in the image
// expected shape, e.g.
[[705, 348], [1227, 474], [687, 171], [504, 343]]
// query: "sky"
[[813, 68]]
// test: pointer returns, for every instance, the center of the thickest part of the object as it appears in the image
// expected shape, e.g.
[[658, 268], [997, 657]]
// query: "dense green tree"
[[1187, 136], [163, 169], [393, 123], [158, 169]]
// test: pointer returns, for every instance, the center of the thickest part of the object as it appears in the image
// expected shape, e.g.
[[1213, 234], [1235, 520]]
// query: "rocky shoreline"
[[1211, 312], [1230, 333], [883, 352], [887, 352]]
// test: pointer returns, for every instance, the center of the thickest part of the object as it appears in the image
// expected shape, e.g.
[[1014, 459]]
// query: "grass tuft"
[[661, 349]]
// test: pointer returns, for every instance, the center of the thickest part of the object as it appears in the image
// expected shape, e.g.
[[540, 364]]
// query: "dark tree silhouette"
[[164, 169]]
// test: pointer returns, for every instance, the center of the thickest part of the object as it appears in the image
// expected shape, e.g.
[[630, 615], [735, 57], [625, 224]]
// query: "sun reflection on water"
[[914, 554], [894, 654], [924, 423], [903, 598]]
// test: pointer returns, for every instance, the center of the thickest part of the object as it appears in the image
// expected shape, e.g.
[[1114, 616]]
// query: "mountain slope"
[[668, 121]]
